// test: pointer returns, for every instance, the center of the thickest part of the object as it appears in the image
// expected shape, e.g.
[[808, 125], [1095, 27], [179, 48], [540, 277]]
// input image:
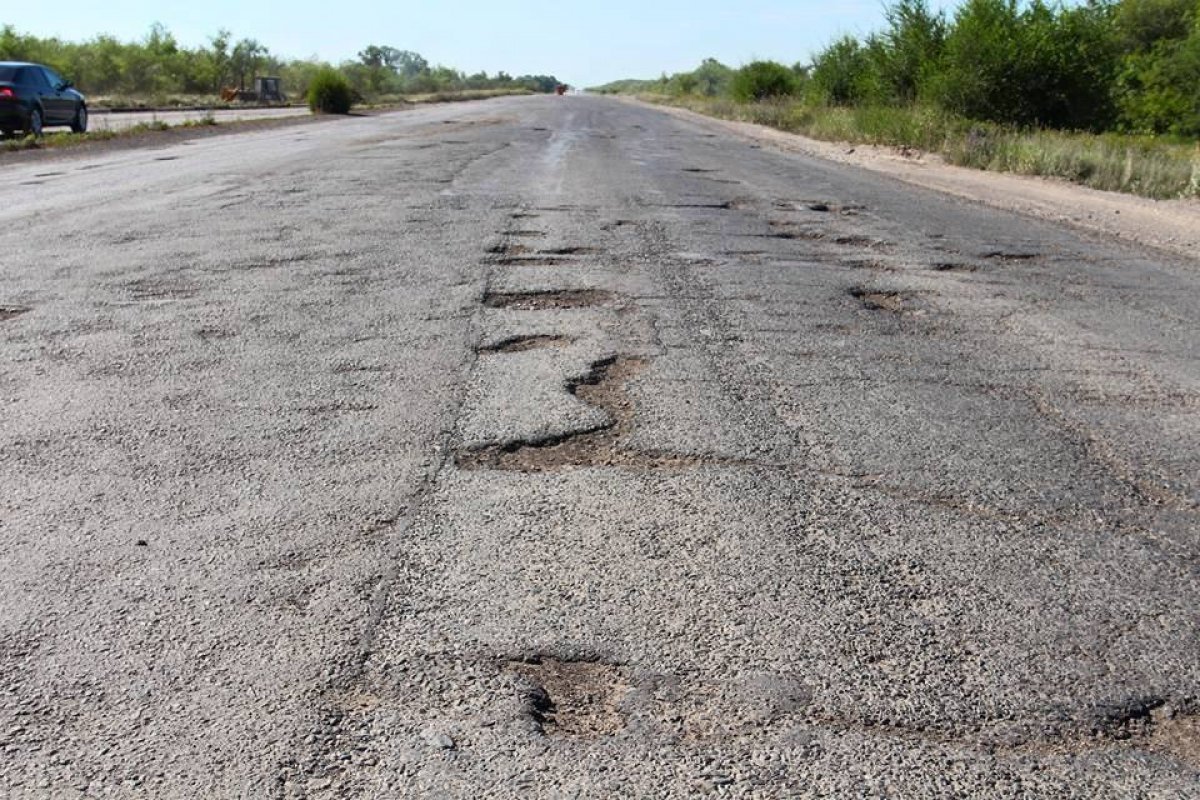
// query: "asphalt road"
[[554, 447], [115, 121]]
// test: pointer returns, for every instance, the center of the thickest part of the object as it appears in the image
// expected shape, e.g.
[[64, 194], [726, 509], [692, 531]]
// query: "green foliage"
[[158, 66], [330, 93], [1038, 66], [1157, 90], [763, 80], [908, 52], [843, 73]]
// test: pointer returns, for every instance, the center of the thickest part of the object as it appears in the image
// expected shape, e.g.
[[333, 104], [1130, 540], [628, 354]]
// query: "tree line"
[[158, 65], [1101, 65]]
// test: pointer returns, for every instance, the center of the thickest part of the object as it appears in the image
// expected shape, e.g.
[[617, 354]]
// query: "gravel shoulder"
[[1172, 225]]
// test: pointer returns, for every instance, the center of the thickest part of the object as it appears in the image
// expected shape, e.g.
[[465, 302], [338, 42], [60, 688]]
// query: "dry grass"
[[1156, 167]]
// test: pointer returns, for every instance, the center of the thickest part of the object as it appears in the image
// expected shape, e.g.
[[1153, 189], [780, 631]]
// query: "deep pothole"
[[539, 301], [572, 699]]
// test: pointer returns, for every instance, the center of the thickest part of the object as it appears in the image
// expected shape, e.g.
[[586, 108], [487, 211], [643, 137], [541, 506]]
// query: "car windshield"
[[8, 74]]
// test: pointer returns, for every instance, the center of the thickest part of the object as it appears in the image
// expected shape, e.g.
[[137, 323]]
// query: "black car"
[[33, 97]]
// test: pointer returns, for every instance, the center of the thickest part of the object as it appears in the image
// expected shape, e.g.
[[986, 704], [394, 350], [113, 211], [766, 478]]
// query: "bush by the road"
[[330, 93], [1128, 66], [762, 80]]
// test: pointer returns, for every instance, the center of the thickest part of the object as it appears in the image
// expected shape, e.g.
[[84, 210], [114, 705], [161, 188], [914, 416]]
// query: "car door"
[[38, 87], [60, 106]]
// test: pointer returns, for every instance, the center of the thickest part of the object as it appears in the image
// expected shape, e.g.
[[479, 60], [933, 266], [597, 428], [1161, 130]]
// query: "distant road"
[[108, 120]]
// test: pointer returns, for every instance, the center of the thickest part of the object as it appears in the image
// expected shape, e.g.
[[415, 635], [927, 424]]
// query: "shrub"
[[330, 93], [763, 80], [1043, 65], [843, 73]]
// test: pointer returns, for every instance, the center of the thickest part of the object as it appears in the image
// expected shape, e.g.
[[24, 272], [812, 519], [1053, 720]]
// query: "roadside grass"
[[1149, 166], [157, 102], [66, 139]]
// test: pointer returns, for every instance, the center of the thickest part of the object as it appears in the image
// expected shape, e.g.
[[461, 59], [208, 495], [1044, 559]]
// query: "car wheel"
[[79, 124], [34, 126]]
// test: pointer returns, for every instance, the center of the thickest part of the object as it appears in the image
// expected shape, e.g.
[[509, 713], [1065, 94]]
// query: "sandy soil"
[[1172, 225]]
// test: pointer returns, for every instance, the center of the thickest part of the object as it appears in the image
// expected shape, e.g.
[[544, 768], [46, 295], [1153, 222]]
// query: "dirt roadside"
[[1172, 225]]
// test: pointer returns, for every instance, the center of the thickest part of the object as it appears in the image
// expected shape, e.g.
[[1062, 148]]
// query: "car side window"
[[52, 78], [35, 78]]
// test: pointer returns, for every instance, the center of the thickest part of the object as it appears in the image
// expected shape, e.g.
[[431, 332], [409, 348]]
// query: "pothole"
[[874, 300], [950, 266], [1175, 734], [10, 312], [508, 249], [1007, 255], [351, 367], [571, 251], [519, 344], [821, 207], [700, 170], [340, 407], [858, 241], [523, 215], [529, 261], [728, 205], [619, 223], [604, 386], [573, 699], [538, 301], [1149, 725]]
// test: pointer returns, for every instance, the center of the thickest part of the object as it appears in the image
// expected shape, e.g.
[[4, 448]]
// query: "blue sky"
[[584, 43]]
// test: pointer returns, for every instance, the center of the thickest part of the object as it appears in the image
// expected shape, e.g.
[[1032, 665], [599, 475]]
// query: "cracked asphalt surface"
[[555, 447]]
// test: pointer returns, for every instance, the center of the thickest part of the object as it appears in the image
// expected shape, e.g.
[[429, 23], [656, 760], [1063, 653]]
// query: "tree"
[[712, 77], [910, 48], [246, 56], [218, 59], [841, 72]]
